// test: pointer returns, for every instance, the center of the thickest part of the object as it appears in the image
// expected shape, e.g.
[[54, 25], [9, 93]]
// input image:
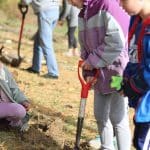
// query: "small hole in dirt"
[[70, 146], [43, 127], [67, 147]]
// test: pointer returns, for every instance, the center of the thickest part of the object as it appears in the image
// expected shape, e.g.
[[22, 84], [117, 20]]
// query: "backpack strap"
[[141, 35], [133, 28]]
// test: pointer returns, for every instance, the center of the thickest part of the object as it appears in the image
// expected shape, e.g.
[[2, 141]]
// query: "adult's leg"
[[101, 111], [37, 51], [48, 20], [72, 42], [120, 121]]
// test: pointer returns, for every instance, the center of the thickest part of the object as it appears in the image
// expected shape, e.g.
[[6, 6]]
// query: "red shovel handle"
[[85, 86]]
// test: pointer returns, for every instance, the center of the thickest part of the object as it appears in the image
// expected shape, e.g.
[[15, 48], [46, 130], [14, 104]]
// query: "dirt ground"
[[54, 103]]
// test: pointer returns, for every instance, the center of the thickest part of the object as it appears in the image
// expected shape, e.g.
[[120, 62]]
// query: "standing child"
[[70, 13], [103, 30], [137, 73], [13, 103]]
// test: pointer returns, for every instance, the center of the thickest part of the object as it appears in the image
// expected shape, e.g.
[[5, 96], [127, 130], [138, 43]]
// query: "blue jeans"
[[43, 43]]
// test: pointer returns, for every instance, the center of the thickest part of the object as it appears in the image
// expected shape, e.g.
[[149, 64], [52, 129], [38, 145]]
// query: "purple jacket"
[[103, 30]]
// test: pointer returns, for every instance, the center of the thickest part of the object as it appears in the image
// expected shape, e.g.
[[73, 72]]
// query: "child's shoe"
[[69, 53], [76, 52], [25, 126], [95, 143], [22, 125]]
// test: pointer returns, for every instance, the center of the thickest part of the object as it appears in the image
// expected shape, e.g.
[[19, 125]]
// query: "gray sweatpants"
[[111, 112]]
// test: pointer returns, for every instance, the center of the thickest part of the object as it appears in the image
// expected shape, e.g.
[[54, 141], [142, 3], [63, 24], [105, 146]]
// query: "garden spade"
[[84, 94], [17, 61]]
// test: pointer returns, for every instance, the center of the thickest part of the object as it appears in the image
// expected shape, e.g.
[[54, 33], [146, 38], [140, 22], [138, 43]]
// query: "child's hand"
[[89, 79], [22, 4], [26, 105], [86, 66], [60, 22]]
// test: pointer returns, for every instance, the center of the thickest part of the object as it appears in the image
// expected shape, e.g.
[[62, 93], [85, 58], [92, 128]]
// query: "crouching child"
[[13, 103]]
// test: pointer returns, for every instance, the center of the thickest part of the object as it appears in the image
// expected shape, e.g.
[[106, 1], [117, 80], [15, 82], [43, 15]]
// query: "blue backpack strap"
[[134, 83]]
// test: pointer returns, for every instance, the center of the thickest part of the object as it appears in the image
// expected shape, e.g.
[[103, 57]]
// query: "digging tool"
[[17, 61], [84, 95]]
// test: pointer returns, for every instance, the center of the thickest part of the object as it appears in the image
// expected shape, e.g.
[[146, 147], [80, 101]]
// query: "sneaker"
[[21, 125], [115, 143], [95, 143], [31, 70], [76, 52], [25, 126], [69, 53], [48, 76]]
